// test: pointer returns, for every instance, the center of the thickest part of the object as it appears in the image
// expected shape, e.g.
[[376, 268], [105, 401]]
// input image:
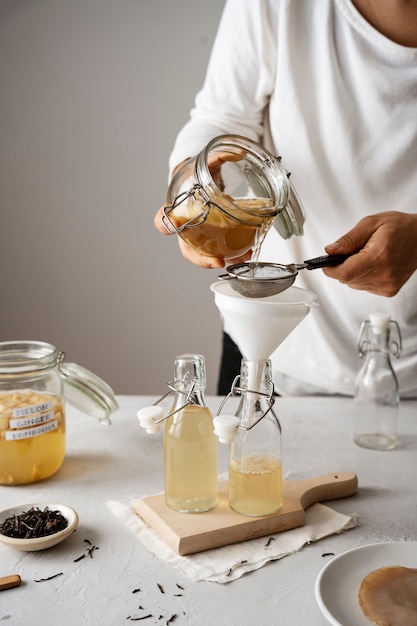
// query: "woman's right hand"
[[188, 252], [191, 254]]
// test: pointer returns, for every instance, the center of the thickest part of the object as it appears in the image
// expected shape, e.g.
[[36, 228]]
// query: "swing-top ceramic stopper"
[[148, 416], [225, 427]]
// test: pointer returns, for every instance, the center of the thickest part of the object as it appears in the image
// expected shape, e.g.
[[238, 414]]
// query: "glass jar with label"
[[33, 385], [223, 201]]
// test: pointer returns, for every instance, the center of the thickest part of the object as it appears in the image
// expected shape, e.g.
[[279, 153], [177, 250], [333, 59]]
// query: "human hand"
[[215, 162], [191, 254], [385, 253]]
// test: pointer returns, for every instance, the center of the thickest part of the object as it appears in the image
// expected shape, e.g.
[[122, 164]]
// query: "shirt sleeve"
[[239, 79]]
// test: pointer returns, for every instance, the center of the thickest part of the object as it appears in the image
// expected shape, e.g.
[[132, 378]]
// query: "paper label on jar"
[[24, 422], [26, 433], [32, 409]]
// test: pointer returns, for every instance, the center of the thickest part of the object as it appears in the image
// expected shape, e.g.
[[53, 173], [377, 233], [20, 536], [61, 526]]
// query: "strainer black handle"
[[328, 260]]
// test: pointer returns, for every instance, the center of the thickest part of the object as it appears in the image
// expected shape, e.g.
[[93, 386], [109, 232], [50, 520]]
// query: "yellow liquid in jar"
[[255, 486], [222, 236], [27, 454], [190, 461]]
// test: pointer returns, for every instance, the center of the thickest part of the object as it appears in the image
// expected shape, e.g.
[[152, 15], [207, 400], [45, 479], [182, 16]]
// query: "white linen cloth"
[[222, 565]]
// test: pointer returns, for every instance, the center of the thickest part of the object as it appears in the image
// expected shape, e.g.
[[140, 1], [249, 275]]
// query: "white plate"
[[337, 585], [41, 543]]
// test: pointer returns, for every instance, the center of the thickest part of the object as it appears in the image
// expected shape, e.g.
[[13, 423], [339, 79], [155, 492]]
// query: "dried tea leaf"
[[33, 524], [42, 580]]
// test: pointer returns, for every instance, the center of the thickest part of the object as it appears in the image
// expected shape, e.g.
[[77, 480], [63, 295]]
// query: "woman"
[[331, 86]]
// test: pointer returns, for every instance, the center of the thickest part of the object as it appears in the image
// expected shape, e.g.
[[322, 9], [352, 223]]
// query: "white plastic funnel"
[[259, 325]]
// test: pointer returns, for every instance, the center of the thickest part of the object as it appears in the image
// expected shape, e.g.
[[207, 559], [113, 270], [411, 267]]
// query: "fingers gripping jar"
[[223, 201], [32, 409]]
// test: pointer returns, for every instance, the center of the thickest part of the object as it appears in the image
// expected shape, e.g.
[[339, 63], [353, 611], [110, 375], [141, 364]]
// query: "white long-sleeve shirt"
[[317, 84]]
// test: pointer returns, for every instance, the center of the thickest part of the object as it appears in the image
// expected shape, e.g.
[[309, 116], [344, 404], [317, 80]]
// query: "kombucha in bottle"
[[190, 445], [255, 465]]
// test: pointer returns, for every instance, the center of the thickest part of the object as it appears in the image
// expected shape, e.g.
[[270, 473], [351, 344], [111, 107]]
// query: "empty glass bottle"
[[376, 398]]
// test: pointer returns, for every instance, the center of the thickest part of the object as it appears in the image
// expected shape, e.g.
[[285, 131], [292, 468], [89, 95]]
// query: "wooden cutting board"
[[188, 533]]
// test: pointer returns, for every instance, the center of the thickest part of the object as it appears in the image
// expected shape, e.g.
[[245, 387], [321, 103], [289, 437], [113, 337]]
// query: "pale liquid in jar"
[[255, 485], [190, 460], [222, 236], [32, 436]]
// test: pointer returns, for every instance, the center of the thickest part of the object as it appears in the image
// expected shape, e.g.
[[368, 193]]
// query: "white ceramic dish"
[[41, 543], [337, 585]]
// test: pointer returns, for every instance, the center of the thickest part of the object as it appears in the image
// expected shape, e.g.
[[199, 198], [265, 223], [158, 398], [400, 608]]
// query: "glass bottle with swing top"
[[255, 462], [376, 399], [190, 445]]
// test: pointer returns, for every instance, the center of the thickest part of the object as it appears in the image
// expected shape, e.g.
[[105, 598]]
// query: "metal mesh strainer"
[[260, 280]]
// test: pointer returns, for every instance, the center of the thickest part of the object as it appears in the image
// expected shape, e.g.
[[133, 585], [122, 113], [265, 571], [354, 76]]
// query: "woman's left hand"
[[384, 253]]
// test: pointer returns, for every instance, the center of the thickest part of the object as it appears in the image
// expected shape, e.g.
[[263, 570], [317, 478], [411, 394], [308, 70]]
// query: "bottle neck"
[[188, 395], [257, 391], [375, 342], [380, 342], [377, 352], [198, 398], [190, 379], [256, 376]]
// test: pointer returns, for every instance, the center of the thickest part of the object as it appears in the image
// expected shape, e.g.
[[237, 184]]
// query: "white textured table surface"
[[121, 461]]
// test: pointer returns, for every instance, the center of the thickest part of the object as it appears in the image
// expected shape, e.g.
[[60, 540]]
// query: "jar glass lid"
[[290, 221], [263, 176], [88, 392]]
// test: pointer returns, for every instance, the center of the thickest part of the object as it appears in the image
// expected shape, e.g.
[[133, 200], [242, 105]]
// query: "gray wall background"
[[92, 94]]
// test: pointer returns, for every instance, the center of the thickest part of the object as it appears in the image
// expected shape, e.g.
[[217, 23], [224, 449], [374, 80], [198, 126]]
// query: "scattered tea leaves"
[[80, 558], [231, 570], [89, 552], [42, 580], [167, 620]]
